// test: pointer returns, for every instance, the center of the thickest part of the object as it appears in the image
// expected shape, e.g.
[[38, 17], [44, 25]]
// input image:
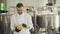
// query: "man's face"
[[19, 10]]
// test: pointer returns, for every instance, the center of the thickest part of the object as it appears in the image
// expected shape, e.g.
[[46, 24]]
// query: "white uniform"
[[17, 19]]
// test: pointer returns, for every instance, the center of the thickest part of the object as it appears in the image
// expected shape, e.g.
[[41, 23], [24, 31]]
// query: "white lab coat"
[[17, 19]]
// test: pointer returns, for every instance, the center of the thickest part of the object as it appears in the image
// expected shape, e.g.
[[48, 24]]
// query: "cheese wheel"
[[20, 27]]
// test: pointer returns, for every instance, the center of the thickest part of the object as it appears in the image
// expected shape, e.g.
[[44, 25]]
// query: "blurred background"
[[45, 15]]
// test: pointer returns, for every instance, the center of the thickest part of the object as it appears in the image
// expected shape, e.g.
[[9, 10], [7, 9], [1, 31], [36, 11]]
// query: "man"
[[21, 22]]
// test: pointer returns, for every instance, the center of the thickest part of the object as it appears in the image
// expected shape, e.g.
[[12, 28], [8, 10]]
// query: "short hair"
[[19, 5]]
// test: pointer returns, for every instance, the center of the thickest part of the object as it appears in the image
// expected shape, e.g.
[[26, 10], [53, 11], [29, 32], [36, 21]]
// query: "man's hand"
[[24, 25], [19, 27], [17, 30]]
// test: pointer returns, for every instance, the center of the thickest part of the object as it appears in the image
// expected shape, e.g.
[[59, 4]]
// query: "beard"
[[20, 13]]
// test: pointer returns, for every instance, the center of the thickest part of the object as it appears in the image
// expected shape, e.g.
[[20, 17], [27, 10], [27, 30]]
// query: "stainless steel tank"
[[49, 22], [4, 24]]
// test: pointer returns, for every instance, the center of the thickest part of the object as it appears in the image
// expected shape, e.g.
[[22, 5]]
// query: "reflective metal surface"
[[48, 23], [4, 24]]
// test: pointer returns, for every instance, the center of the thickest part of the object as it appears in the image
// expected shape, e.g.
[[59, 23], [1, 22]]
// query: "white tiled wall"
[[29, 2], [35, 3], [58, 2], [11, 3]]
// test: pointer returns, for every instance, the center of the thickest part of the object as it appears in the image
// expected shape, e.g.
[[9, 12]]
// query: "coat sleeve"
[[30, 24], [12, 23]]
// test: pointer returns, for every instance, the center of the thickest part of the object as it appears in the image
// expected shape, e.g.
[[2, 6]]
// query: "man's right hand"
[[17, 30], [19, 27]]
